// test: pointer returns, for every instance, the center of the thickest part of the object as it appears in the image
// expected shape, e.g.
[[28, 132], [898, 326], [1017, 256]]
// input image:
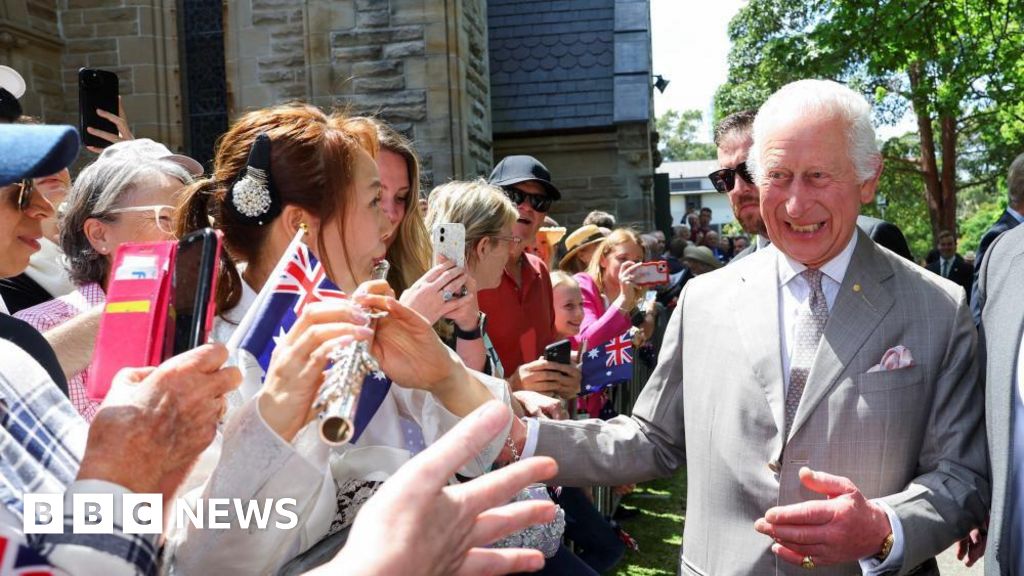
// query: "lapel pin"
[[856, 287]]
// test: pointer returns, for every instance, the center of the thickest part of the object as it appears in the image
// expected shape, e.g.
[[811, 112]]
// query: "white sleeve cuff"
[[532, 428], [872, 566]]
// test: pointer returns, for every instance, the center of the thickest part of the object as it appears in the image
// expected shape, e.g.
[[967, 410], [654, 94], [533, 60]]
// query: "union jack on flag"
[[608, 364], [301, 281]]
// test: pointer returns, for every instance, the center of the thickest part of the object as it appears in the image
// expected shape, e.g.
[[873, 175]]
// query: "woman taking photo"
[[487, 215], [112, 202], [313, 170]]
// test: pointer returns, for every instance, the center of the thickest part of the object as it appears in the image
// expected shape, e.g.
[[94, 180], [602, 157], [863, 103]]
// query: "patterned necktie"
[[945, 268], [810, 325]]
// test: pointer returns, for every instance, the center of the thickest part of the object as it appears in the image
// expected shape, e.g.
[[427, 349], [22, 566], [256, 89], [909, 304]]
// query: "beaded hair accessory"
[[252, 197]]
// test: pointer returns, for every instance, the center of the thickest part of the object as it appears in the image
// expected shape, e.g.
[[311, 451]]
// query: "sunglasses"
[[25, 190], [723, 180], [539, 203]]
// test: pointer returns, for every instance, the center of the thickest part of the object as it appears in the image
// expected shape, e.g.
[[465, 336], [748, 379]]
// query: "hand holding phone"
[[651, 274], [97, 89], [193, 289], [449, 241], [558, 352]]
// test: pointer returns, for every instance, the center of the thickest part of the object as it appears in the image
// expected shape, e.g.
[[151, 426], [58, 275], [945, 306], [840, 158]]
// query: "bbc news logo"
[[144, 514]]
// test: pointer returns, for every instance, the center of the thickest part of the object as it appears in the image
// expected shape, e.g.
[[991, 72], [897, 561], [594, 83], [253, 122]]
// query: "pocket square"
[[894, 358]]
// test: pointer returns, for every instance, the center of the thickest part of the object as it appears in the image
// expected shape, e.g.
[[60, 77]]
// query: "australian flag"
[[608, 364], [301, 281]]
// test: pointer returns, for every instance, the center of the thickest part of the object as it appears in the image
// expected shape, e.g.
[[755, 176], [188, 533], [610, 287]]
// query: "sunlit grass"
[[658, 528]]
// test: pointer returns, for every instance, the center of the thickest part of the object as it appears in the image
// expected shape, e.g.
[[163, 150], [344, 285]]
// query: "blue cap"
[[31, 151]]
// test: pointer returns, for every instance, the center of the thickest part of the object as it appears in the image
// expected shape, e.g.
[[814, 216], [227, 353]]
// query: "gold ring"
[[807, 563]]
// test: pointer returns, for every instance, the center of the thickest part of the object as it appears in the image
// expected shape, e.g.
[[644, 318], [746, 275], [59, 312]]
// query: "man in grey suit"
[[999, 288], [845, 434]]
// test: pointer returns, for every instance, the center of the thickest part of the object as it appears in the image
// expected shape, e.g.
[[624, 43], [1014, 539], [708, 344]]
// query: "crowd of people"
[[822, 389]]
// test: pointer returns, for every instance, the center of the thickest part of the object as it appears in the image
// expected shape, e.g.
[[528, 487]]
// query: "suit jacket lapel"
[[757, 312], [862, 302]]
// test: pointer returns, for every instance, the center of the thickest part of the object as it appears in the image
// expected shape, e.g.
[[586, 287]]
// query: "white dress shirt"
[[795, 296], [794, 299]]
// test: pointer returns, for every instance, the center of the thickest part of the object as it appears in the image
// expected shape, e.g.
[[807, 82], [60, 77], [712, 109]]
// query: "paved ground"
[[950, 566]]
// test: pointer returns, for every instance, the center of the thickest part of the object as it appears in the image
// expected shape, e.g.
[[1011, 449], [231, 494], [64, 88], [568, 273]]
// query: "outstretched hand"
[[120, 121], [845, 527], [418, 525]]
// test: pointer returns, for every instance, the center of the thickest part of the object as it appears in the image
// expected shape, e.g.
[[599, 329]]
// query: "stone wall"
[[48, 41], [31, 44], [607, 171], [397, 59]]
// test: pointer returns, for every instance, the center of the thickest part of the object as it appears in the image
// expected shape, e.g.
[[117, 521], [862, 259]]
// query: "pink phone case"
[[652, 273], [134, 318]]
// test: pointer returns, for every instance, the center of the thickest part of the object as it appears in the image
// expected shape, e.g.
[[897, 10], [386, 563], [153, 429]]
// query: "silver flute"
[[338, 398]]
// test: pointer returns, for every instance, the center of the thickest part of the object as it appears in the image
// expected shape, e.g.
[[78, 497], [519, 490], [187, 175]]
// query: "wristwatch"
[[474, 334], [886, 547]]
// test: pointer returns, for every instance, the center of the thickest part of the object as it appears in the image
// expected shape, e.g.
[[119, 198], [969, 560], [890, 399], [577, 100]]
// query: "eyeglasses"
[[515, 240], [162, 214], [539, 203], [25, 190], [723, 180]]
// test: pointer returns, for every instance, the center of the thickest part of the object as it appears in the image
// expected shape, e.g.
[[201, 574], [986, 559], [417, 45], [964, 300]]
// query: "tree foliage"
[[677, 132], [957, 66]]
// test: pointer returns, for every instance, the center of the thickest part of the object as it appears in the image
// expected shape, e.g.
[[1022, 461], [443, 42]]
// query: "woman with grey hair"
[[112, 202]]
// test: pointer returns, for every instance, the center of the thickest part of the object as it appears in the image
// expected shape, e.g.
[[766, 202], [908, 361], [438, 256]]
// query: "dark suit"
[[886, 235], [960, 272], [1005, 222], [999, 288]]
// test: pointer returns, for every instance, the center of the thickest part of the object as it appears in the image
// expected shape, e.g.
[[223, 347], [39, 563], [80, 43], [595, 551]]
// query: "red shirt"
[[520, 320]]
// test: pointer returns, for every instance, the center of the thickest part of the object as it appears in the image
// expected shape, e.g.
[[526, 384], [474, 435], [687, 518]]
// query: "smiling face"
[[530, 220], [20, 231], [744, 196], [810, 194], [363, 230], [568, 304], [395, 189]]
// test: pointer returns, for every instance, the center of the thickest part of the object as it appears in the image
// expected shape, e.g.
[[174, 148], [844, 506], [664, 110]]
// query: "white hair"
[[819, 99]]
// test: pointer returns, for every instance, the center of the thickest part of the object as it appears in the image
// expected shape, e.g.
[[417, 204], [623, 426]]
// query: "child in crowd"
[[568, 303]]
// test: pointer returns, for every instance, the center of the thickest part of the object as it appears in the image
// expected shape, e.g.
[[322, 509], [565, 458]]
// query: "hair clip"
[[252, 196]]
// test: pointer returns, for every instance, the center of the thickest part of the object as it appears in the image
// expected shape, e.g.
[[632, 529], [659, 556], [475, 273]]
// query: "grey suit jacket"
[[913, 437], [1001, 300]]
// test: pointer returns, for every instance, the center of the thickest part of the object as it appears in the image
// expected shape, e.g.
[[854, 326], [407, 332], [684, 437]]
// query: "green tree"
[[677, 134], [956, 66]]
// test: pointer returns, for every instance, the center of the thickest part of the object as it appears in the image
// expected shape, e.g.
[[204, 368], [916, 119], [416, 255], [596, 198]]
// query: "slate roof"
[[552, 64]]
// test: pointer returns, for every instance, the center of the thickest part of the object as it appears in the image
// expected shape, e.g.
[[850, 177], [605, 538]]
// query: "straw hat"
[[580, 238], [703, 255], [553, 233]]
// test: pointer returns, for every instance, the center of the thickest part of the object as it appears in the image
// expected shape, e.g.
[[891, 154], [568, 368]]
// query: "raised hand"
[[418, 525], [121, 121], [844, 528], [427, 295], [550, 378], [155, 422], [300, 358]]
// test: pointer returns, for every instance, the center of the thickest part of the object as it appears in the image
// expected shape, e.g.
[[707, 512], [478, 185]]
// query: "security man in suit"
[[950, 264], [844, 435]]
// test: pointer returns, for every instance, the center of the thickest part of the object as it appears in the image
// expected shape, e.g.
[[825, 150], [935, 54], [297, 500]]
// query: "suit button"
[[775, 466]]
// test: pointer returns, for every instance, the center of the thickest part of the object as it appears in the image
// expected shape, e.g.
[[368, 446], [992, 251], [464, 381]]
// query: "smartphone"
[[449, 240], [652, 273], [193, 288], [96, 89], [558, 352]]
